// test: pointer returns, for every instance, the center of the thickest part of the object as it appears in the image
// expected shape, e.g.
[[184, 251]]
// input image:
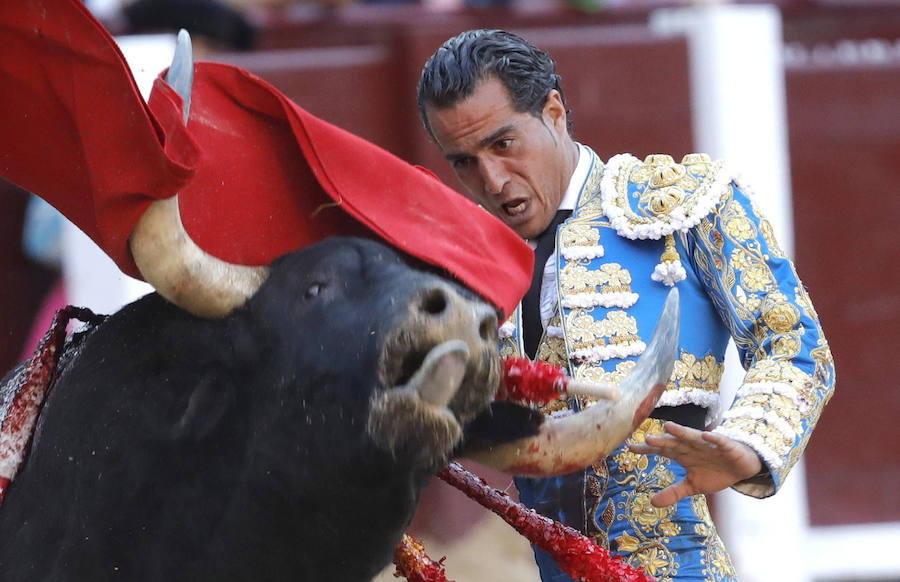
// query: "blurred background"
[[803, 95]]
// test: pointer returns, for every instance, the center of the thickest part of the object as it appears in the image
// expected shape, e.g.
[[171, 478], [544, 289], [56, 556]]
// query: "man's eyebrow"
[[495, 136], [484, 142]]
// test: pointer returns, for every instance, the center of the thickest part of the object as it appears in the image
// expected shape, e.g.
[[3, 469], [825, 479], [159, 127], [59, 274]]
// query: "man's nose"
[[493, 175]]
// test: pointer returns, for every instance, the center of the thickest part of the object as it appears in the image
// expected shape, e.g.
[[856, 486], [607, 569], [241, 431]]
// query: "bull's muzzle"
[[440, 368]]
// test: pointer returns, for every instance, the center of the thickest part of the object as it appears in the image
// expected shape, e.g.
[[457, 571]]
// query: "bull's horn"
[[565, 444], [165, 254], [180, 76], [182, 272]]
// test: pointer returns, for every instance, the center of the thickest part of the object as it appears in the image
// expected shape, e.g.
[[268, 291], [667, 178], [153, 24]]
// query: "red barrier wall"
[[845, 162]]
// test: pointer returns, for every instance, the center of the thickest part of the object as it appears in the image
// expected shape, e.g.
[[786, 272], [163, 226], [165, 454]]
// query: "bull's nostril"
[[487, 330], [434, 302]]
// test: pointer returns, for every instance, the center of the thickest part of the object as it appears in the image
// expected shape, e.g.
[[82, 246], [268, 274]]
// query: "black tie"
[[532, 329]]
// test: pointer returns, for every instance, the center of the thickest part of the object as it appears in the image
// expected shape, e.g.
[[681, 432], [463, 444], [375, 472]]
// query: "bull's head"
[[438, 365]]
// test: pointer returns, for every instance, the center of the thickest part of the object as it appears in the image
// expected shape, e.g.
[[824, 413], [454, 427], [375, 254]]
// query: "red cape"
[[257, 176]]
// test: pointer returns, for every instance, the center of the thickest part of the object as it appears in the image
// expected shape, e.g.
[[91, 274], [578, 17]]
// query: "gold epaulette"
[[657, 197]]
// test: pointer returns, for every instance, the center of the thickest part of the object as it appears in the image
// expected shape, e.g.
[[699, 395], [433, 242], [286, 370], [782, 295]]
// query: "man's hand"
[[713, 462]]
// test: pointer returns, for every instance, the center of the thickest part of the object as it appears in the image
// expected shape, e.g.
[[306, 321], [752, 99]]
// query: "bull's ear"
[[204, 409], [501, 423]]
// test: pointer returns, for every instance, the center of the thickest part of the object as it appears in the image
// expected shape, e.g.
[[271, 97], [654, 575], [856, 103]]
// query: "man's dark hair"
[[452, 72]]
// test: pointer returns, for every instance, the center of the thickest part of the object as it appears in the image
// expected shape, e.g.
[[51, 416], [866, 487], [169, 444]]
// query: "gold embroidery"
[[609, 278], [586, 332], [661, 186], [627, 543], [666, 174], [699, 161], [786, 345], [642, 172], [648, 426], [508, 349], [613, 278], [583, 330], [805, 303], [780, 315], [669, 529], [509, 346], [598, 374], [553, 350], [768, 234], [593, 206], [619, 327], [670, 253], [629, 461], [590, 203], [564, 403], [783, 406], [648, 534], [755, 276], [651, 526], [750, 303], [595, 491], [693, 374], [792, 410], [774, 438], [740, 228], [777, 371], [824, 369], [663, 200], [716, 561], [689, 373], [576, 278], [656, 560], [579, 235]]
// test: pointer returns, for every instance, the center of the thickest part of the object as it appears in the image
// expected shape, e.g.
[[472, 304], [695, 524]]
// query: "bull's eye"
[[314, 290]]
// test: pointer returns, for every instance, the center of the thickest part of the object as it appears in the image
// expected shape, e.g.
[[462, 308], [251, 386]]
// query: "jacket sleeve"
[[790, 371]]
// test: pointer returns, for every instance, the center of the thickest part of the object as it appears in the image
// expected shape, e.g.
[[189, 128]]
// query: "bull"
[[286, 441]]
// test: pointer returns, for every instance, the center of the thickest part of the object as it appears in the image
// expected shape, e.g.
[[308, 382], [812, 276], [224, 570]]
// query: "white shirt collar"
[[576, 182]]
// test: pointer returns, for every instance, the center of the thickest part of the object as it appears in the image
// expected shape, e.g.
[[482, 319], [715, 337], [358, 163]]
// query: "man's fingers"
[[660, 440], [716, 439], [665, 445], [681, 443], [672, 494], [676, 430]]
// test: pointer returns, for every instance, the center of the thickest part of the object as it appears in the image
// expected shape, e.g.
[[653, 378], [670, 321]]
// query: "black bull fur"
[[174, 448]]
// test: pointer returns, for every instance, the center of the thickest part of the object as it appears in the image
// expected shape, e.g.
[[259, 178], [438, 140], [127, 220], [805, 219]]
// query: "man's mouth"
[[515, 207]]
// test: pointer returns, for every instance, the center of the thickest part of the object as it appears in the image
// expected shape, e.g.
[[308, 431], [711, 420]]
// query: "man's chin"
[[528, 229], [522, 224]]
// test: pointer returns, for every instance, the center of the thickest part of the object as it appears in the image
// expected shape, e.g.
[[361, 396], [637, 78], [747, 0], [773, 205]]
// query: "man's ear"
[[555, 109]]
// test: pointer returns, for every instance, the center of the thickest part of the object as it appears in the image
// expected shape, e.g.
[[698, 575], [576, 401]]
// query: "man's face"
[[515, 165]]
